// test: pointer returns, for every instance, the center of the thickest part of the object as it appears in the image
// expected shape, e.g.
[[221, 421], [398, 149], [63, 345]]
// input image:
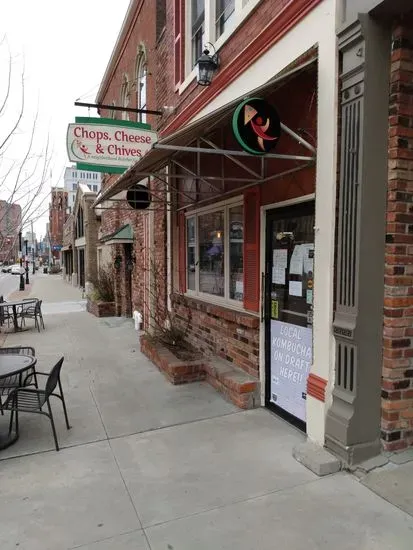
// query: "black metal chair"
[[32, 400], [5, 313], [32, 311], [11, 382]]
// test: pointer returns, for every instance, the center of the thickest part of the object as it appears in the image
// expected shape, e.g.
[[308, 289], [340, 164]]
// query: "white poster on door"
[[291, 357]]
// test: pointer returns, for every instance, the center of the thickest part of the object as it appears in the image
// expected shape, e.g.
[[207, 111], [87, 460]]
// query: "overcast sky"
[[65, 48]]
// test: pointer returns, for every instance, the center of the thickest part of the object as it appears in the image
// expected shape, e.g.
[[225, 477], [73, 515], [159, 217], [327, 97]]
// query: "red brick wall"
[[10, 219], [57, 218], [216, 329], [397, 381], [234, 336], [144, 25], [277, 15]]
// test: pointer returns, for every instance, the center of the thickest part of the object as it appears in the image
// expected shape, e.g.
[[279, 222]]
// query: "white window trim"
[[223, 301], [241, 13]]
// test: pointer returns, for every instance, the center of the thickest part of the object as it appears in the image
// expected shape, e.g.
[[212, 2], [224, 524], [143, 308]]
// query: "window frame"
[[125, 96], [141, 67], [242, 10], [225, 300]]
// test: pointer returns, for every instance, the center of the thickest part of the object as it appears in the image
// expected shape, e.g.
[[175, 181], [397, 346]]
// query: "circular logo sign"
[[256, 126]]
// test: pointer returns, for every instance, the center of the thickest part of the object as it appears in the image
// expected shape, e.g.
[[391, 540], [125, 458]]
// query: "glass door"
[[288, 309]]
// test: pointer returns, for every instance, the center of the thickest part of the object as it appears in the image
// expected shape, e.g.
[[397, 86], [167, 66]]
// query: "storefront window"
[[211, 253], [190, 259], [236, 255], [215, 252]]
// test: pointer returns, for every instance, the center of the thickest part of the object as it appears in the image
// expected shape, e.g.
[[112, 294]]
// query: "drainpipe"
[[168, 245]]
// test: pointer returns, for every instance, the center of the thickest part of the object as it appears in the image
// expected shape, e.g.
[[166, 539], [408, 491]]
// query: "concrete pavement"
[[148, 465]]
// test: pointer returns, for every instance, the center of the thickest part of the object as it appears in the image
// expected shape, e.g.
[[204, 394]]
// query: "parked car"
[[6, 268], [16, 269]]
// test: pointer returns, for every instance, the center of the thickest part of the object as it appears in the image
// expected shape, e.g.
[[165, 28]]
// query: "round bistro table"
[[13, 306], [13, 366]]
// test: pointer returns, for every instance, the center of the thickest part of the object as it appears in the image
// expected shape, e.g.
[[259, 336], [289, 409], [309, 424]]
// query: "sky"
[[63, 49]]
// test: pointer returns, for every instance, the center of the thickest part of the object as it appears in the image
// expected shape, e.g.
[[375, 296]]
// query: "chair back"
[[53, 377]]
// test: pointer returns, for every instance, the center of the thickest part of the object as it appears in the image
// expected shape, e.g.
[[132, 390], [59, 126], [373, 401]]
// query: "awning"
[[165, 149], [66, 248], [124, 235]]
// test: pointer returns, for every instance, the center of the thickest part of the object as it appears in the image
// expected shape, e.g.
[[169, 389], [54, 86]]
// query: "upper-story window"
[[113, 111], [80, 229], [141, 83], [199, 22], [224, 15], [197, 28], [74, 187], [125, 96]]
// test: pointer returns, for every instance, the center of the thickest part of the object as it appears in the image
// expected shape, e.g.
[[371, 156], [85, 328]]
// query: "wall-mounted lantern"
[[207, 65], [118, 262]]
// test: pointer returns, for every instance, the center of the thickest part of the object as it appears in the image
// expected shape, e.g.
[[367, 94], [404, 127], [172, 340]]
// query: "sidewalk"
[[148, 465]]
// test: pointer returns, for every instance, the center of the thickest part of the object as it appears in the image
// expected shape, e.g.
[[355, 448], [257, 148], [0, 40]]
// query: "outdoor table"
[[13, 365], [14, 305]]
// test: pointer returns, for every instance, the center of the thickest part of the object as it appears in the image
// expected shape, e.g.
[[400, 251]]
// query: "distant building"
[[57, 218], [74, 177], [31, 243], [10, 221]]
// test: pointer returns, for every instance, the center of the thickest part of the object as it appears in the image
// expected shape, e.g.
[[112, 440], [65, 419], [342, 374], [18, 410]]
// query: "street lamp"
[[27, 261], [21, 287]]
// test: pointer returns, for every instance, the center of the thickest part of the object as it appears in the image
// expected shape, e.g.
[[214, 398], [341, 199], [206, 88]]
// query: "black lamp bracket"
[[207, 49]]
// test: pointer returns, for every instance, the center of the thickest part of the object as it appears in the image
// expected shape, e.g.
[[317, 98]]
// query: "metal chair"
[[32, 312], [11, 382], [32, 400], [5, 314]]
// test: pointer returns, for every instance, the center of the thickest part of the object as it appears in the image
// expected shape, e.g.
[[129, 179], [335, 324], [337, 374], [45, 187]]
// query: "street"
[[8, 284]]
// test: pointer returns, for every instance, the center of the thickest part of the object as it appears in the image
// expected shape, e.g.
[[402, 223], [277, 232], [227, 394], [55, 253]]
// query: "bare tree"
[[25, 167]]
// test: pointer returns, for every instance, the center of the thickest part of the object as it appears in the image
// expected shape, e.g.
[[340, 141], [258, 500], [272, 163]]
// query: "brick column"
[[397, 381]]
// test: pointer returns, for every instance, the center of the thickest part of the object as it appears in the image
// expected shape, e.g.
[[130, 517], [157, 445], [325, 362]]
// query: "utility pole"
[[21, 287]]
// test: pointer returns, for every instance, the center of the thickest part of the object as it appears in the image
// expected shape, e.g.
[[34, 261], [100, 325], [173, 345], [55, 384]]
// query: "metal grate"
[[346, 364], [349, 198]]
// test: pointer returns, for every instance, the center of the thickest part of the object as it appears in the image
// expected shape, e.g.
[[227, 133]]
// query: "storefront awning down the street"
[[123, 235], [165, 151]]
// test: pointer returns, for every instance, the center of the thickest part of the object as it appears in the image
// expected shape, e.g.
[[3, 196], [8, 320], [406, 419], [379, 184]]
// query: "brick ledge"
[[237, 386]]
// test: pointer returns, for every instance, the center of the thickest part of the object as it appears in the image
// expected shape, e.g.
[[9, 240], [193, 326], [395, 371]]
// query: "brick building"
[[80, 240], [129, 81], [57, 217], [293, 266], [10, 221], [224, 207]]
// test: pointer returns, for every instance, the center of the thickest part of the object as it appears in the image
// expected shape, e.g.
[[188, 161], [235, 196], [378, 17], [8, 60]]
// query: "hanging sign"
[[256, 126], [107, 145], [291, 358]]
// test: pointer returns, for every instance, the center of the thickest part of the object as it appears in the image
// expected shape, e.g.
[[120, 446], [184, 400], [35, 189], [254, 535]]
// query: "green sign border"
[[112, 122], [235, 128]]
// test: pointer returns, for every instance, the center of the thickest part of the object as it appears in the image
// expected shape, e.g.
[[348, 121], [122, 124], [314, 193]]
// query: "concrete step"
[[235, 384]]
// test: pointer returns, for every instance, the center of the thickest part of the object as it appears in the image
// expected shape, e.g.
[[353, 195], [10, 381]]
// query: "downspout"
[[168, 244]]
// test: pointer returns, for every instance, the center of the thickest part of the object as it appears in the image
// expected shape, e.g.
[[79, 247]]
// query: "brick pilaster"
[[397, 381]]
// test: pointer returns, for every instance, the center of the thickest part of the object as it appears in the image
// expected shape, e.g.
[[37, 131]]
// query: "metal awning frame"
[[236, 156]]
